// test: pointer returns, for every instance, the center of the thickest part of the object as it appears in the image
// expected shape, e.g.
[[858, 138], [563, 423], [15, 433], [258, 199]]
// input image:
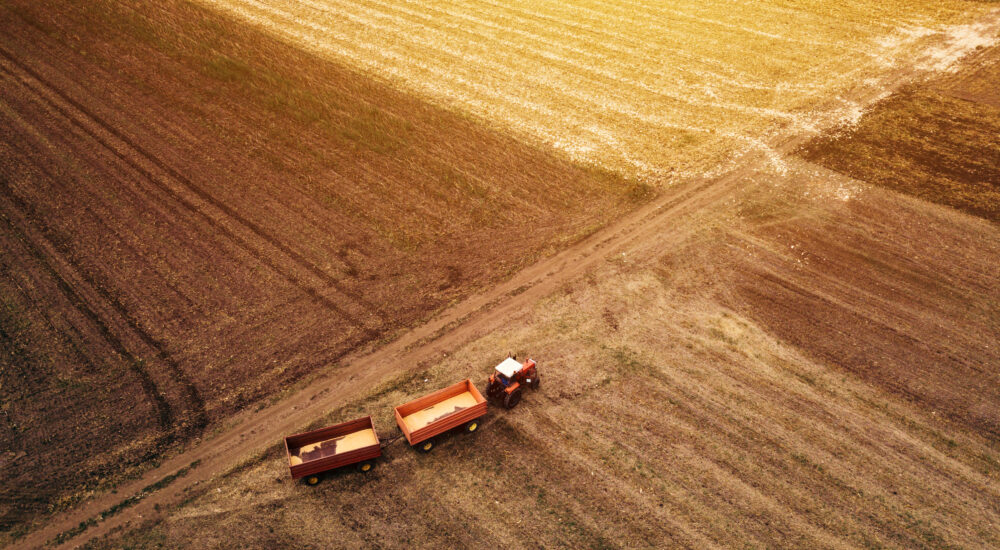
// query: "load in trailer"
[[420, 420], [312, 453]]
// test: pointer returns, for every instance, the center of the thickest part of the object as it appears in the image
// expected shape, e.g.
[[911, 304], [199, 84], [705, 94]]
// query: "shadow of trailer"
[[424, 418]]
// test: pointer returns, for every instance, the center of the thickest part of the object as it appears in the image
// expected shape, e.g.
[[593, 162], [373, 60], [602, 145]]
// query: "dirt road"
[[211, 219], [665, 220]]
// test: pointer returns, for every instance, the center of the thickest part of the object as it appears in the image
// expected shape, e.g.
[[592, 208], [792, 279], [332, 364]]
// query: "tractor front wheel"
[[535, 381], [512, 398]]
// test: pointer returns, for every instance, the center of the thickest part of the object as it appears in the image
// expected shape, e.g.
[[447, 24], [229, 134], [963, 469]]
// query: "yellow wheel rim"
[[366, 467], [473, 426], [428, 445], [312, 480]]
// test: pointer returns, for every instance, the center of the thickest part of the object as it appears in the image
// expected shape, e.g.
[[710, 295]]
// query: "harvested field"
[[195, 224], [679, 407], [808, 361], [205, 201], [649, 88], [936, 140]]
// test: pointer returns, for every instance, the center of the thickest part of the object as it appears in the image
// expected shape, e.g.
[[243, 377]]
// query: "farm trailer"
[[422, 419], [312, 453]]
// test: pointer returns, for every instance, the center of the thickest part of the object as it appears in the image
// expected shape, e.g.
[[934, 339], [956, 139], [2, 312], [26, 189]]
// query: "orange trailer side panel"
[[323, 460], [464, 400]]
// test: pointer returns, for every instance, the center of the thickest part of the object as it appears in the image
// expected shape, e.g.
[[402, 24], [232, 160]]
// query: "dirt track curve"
[[665, 220]]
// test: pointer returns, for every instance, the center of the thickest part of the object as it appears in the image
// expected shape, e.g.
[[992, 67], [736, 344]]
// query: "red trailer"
[[458, 405], [312, 453]]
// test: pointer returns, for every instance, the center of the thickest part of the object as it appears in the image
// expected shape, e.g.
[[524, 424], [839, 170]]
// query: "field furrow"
[[646, 89]]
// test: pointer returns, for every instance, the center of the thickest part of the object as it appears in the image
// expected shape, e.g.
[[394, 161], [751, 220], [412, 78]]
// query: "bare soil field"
[[797, 360], [678, 408], [780, 356], [935, 140], [193, 216]]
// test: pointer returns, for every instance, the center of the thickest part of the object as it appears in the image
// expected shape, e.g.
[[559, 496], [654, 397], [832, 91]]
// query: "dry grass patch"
[[671, 412]]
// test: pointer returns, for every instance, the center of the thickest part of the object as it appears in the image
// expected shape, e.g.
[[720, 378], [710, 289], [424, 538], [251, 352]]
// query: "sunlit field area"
[[651, 89], [750, 244]]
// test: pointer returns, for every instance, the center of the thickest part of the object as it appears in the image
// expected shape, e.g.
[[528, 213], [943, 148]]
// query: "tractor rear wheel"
[[493, 391], [366, 466], [512, 398]]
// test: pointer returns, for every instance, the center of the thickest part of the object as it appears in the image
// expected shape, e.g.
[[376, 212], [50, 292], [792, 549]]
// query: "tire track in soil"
[[164, 412], [369, 333], [28, 149], [60, 244], [73, 341], [660, 224]]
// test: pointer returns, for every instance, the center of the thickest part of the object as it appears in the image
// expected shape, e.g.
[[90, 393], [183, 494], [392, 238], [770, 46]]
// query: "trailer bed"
[[440, 411], [332, 447]]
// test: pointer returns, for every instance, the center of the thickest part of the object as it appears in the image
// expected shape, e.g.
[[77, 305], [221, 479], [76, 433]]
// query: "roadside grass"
[[127, 502]]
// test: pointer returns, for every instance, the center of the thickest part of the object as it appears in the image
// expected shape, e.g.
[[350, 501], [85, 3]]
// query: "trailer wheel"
[[472, 426], [311, 480], [512, 398], [426, 446], [366, 466]]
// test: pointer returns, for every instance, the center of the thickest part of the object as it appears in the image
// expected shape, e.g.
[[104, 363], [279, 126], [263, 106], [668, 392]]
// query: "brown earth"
[[674, 411], [935, 140], [875, 300], [194, 216], [778, 361], [677, 406]]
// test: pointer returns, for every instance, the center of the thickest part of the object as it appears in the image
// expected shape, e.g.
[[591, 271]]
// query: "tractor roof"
[[508, 367]]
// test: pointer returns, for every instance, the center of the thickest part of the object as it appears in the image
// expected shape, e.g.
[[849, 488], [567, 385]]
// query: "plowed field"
[[935, 140], [758, 383], [224, 220], [195, 224], [800, 360]]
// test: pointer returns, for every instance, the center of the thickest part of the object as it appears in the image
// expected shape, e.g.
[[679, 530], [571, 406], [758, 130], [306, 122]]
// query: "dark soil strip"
[[164, 412], [369, 333]]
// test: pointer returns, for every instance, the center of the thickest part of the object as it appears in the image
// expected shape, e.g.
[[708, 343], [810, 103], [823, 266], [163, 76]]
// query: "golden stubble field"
[[747, 372], [650, 89], [805, 362]]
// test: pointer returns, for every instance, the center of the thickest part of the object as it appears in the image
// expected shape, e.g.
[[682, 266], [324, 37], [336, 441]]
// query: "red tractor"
[[508, 378]]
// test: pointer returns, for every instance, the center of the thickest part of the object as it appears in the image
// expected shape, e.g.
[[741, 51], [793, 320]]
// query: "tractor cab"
[[507, 379], [507, 370]]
